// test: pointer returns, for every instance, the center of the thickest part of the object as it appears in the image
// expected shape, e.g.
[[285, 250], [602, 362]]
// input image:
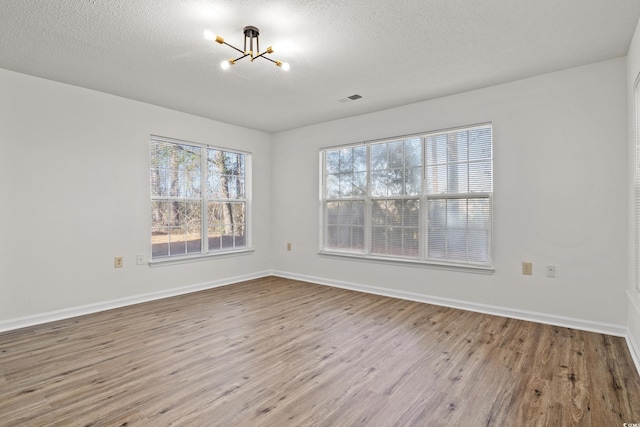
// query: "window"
[[199, 199], [424, 198]]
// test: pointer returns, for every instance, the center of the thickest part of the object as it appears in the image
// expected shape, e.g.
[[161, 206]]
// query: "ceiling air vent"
[[349, 98]]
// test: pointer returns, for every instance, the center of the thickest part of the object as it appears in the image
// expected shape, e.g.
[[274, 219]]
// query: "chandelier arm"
[[238, 59], [233, 47], [262, 56], [268, 59]]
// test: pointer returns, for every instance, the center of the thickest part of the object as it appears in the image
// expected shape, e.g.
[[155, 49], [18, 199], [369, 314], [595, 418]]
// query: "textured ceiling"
[[390, 52]]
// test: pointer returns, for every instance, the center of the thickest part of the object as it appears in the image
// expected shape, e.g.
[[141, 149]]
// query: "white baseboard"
[[634, 350], [566, 322], [23, 322], [634, 313]]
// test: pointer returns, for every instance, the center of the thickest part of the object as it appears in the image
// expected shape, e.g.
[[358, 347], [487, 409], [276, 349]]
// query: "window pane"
[[465, 235], [479, 211], [457, 179], [436, 149], [332, 160], [359, 184], [396, 154], [379, 186], [456, 245], [395, 227], [357, 238], [332, 236], [225, 175], [457, 213], [411, 214], [413, 183], [331, 213], [175, 170], [480, 143], [346, 173], [468, 159], [480, 177], [226, 225], [357, 212], [345, 213], [437, 180], [437, 243], [379, 157], [386, 183], [478, 246], [346, 160], [159, 228], [346, 185], [345, 222], [437, 213], [360, 159], [411, 242], [457, 147], [413, 152], [184, 225], [390, 175], [332, 186]]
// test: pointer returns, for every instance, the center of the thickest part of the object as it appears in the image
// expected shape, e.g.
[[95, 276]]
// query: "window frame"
[[423, 198], [636, 182], [204, 200]]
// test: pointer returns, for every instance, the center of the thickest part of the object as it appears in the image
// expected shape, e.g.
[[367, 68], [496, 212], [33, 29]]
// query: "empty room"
[[293, 213]]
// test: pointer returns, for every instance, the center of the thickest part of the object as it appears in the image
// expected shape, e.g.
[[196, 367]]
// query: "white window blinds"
[[459, 186]]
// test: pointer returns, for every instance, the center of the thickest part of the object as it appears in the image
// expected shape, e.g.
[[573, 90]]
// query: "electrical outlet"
[[118, 262], [288, 246], [551, 271], [139, 259], [527, 268]]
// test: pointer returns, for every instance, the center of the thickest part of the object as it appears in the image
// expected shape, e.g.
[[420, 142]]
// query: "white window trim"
[[199, 257], [636, 182], [205, 254], [407, 262], [365, 255]]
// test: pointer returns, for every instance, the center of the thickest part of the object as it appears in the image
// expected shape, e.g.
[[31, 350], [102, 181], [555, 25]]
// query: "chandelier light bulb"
[[208, 35], [285, 66], [225, 65]]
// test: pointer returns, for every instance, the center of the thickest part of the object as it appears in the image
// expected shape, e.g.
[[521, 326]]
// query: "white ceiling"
[[390, 52]]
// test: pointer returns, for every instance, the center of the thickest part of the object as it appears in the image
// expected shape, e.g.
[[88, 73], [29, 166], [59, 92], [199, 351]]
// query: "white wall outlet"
[[551, 271], [139, 259], [527, 268], [118, 262]]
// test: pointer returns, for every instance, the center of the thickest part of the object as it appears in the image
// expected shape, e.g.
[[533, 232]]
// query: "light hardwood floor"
[[278, 352]]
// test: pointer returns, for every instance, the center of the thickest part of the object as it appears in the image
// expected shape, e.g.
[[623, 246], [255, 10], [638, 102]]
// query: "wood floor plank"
[[281, 352]]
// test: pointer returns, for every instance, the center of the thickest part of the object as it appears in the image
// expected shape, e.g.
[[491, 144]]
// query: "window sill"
[[161, 262], [409, 262]]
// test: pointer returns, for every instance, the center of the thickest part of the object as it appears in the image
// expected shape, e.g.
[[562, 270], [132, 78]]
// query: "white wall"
[[74, 179], [74, 173], [560, 195], [633, 69]]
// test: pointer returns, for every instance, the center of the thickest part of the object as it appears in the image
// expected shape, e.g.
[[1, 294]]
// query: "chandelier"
[[251, 35]]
